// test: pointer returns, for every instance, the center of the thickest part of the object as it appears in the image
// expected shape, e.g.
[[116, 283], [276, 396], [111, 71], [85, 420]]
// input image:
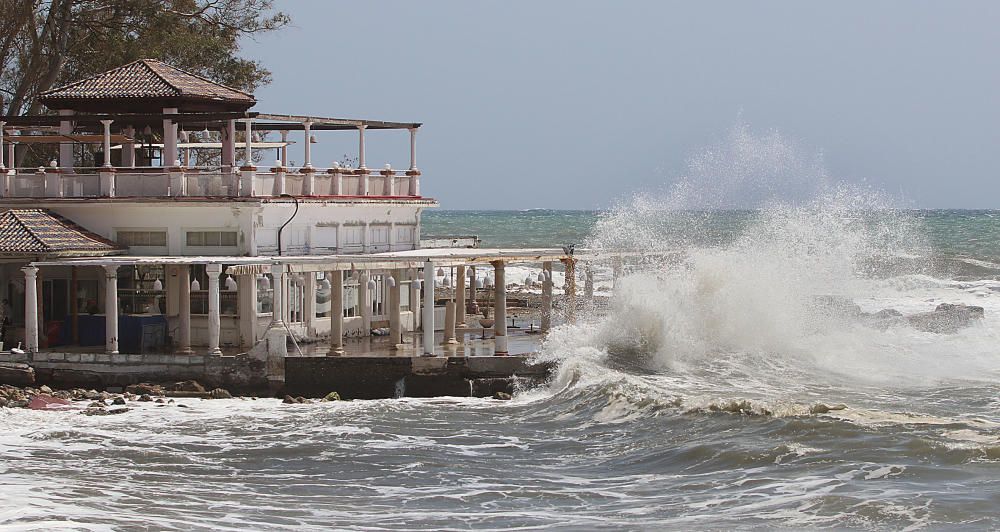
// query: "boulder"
[[946, 318], [220, 393], [187, 386], [502, 396], [144, 388], [145, 398], [16, 374], [47, 402], [332, 396], [118, 401], [288, 400]]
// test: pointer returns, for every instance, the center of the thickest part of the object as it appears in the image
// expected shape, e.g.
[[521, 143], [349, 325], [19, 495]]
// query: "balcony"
[[209, 182]]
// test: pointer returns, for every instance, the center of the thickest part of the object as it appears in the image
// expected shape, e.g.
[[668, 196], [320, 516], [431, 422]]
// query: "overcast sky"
[[571, 104]]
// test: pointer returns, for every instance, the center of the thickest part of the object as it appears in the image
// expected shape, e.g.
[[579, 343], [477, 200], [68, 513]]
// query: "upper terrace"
[[129, 133]]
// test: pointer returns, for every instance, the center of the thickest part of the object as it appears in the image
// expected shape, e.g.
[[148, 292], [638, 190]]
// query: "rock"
[[187, 386], [3, 402], [182, 405], [502, 396], [118, 401], [104, 412], [45, 389], [97, 404], [145, 398], [838, 306], [946, 318], [47, 402], [16, 374], [300, 400], [144, 389], [288, 400], [220, 393], [161, 401], [63, 394], [332, 396]]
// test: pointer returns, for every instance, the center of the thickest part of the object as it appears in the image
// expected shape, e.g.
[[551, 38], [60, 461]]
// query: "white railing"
[[206, 182]]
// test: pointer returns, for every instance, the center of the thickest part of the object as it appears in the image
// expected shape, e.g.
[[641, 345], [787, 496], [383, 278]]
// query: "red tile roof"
[[146, 79], [43, 232]]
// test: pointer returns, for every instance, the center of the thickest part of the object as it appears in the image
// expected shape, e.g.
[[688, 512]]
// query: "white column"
[[228, 137], [111, 308], [413, 148], [184, 310], [248, 150], [460, 296], [30, 308], [569, 288], [214, 318], [500, 310], [169, 154], [284, 148], [395, 318], [336, 312], [428, 318], [472, 286], [66, 146], [128, 148], [107, 142], [308, 147], [364, 302], [361, 146], [277, 301], [415, 298], [546, 297], [309, 307], [2, 123], [448, 336]]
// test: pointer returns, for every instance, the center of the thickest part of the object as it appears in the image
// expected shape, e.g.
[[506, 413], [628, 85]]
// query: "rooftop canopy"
[[147, 85]]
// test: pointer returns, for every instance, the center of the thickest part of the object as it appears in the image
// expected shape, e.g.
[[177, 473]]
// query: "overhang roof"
[[41, 232], [146, 79]]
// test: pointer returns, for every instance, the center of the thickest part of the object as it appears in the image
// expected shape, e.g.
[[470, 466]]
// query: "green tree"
[[45, 43]]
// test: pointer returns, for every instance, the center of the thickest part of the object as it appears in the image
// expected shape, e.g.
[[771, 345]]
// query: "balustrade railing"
[[206, 182]]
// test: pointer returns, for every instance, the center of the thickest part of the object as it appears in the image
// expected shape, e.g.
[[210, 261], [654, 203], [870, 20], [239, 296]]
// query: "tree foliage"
[[45, 43]]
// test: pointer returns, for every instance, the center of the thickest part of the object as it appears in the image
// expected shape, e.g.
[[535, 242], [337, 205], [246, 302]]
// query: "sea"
[[756, 367]]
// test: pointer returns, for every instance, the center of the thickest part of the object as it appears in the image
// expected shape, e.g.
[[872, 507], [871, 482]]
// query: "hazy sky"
[[571, 104]]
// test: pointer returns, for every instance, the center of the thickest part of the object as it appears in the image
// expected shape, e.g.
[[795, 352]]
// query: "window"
[[228, 296], [137, 290], [211, 238], [87, 297], [142, 238], [265, 294]]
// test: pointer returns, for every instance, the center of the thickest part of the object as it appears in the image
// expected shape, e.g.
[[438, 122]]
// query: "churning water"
[[741, 378]]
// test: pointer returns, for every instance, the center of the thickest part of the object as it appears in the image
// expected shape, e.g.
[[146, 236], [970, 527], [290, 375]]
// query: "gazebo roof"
[[146, 80], [41, 232]]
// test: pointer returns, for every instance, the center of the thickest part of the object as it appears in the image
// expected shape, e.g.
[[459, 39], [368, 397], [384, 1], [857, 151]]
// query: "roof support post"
[[107, 142], [546, 296], [2, 123], [248, 172], [364, 302], [284, 148], [336, 312], [66, 146], [307, 156], [361, 145], [248, 148], [500, 310], [111, 308], [414, 299], [460, 295], [428, 318], [128, 148], [413, 148], [30, 308], [395, 315], [228, 138], [184, 308], [214, 317], [169, 156]]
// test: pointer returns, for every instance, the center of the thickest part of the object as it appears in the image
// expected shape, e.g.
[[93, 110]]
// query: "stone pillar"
[[178, 182], [414, 182], [395, 318], [111, 308], [2, 168], [228, 138], [184, 309], [214, 318], [308, 181], [309, 305], [307, 149], [413, 173], [449, 323], [569, 287], [546, 296], [248, 143], [53, 183], [336, 313], [365, 304], [279, 181], [30, 309], [361, 146], [500, 310], [107, 142], [415, 298], [169, 154], [66, 146], [588, 283], [284, 148], [336, 182], [472, 288], [460, 295], [388, 178], [362, 181], [246, 287], [427, 325], [128, 148], [106, 178]]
